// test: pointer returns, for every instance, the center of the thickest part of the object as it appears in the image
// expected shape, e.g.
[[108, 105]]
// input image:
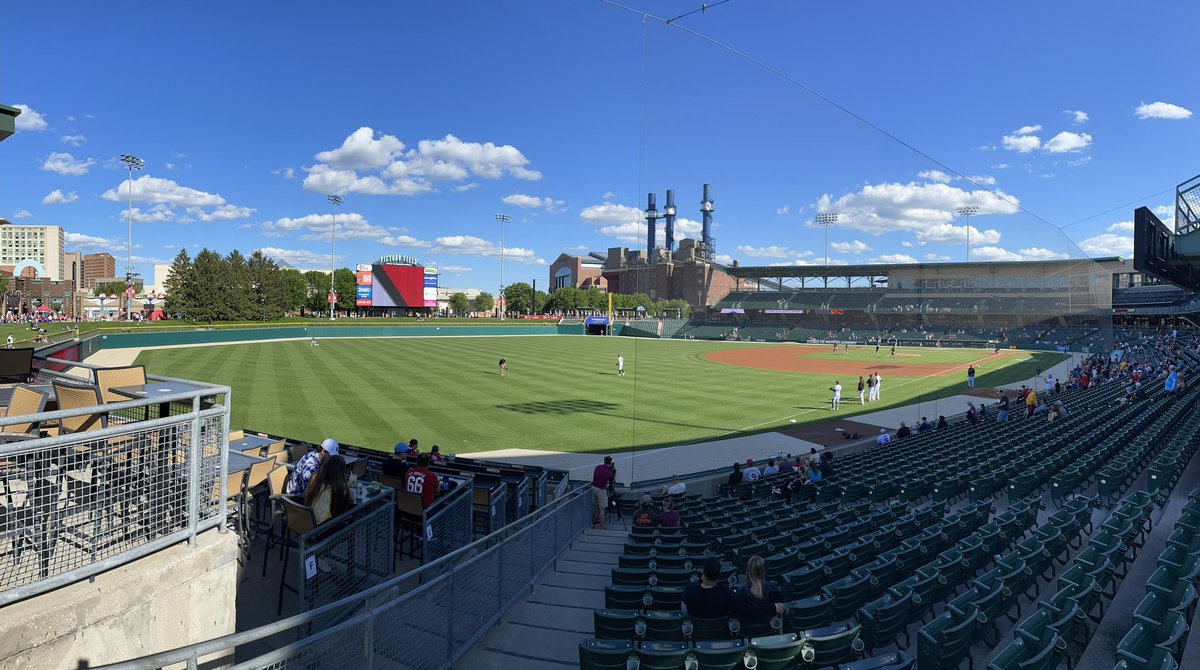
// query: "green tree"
[[180, 286], [344, 283], [595, 299], [318, 287], [518, 298], [539, 302], [269, 291], [297, 289], [459, 305], [485, 302], [237, 294], [209, 272], [116, 288]]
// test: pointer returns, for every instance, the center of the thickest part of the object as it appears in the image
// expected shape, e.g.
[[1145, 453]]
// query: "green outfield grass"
[[561, 393]]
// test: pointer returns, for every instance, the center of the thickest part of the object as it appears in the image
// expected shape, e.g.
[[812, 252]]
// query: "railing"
[[427, 618], [149, 474]]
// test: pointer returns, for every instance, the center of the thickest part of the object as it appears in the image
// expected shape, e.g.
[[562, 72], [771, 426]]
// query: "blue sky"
[[431, 118]]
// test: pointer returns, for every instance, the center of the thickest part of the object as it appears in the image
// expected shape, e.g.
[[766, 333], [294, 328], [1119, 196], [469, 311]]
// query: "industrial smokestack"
[[706, 209], [651, 224], [670, 218]]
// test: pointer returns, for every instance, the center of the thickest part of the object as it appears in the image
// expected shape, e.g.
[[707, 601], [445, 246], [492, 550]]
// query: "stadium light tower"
[[827, 219], [967, 211], [133, 163], [502, 219], [335, 201]]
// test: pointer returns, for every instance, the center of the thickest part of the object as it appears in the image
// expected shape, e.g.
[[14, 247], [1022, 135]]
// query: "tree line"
[[522, 299]]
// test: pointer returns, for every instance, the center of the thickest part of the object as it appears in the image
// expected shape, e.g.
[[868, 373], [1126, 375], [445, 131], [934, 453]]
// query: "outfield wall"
[[202, 336]]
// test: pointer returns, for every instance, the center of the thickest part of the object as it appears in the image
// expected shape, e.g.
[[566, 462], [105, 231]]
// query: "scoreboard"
[[398, 286]]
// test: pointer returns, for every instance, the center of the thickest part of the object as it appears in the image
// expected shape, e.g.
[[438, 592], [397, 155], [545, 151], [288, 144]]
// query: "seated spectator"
[[972, 414], [1052, 415], [771, 468], [903, 432], [814, 473], [308, 465], [883, 438], [413, 449], [736, 477], [396, 467], [941, 422], [677, 488], [328, 494], [1041, 408], [422, 482], [435, 454], [812, 455], [669, 517], [645, 516], [752, 473], [757, 597], [826, 465], [924, 426], [711, 597]]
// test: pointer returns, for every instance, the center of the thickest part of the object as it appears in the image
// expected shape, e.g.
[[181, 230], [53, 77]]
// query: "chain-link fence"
[[350, 558], [92, 485], [426, 619]]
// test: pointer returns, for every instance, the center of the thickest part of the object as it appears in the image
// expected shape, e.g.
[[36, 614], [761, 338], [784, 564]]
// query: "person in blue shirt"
[[308, 465], [1171, 385]]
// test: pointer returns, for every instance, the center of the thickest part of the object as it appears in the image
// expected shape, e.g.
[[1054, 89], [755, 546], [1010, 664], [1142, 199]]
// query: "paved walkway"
[[543, 630]]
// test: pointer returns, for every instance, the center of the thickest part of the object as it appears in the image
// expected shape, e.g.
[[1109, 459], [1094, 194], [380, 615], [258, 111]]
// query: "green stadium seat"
[[665, 597], [719, 654], [848, 594], [1043, 654], [894, 661], [803, 581], [812, 612], [627, 597], [884, 619], [662, 655], [1154, 607], [1139, 643], [631, 576], [945, 642], [834, 644], [708, 629], [605, 654], [617, 624], [774, 652], [633, 561], [666, 626], [1160, 659], [681, 577]]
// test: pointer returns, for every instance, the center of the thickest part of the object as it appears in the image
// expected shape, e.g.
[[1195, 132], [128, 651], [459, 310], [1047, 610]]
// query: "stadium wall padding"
[[160, 339]]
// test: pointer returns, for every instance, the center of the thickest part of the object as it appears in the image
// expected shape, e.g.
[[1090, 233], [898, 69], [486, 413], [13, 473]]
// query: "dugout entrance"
[[596, 325]]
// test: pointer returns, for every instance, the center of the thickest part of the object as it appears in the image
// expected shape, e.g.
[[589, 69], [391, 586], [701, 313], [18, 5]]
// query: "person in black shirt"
[[941, 422], [735, 478], [903, 432], [396, 466], [757, 598], [711, 598]]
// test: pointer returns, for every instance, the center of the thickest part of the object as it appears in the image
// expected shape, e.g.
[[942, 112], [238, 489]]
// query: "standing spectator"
[[883, 438], [1171, 384], [736, 477], [970, 376], [972, 414], [711, 597], [862, 388], [420, 481], [757, 597], [602, 477], [669, 517], [645, 516], [1002, 407], [327, 494], [308, 465], [752, 472], [1030, 403]]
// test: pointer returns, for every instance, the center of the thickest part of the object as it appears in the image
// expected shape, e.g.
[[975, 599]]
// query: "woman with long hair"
[[757, 597], [328, 494]]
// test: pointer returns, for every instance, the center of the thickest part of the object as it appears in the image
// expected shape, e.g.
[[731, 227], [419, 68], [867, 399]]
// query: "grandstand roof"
[[880, 270]]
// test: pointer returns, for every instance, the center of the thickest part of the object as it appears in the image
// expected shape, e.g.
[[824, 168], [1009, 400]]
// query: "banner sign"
[[595, 321], [733, 310], [783, 311], [362, 267], [362, 293], [363, 278]]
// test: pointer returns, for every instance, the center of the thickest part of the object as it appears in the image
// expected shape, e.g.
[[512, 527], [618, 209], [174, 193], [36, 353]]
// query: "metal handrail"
[[191, 653]]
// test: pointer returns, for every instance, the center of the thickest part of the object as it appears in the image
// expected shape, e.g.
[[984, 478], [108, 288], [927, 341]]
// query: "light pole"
[[827, 219], [967, 211], [335, 201], [502, 219], [134, 163]]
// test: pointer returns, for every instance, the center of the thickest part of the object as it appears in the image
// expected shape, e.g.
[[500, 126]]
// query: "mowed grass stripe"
[[561, 393]]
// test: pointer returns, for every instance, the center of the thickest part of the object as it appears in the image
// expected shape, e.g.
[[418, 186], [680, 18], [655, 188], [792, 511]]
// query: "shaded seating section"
[[16, 365]]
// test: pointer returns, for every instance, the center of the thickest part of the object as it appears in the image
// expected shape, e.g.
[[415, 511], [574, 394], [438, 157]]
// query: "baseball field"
[[562, 393]]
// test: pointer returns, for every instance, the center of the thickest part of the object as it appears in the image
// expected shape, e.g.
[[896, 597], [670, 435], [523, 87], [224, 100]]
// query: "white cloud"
[[1082, 160], [768, 252], [1079, 117], [983, 179], [626, 225], [1066, 142], [56, 197], [936, 257], [169, 166], [1164, 212], [1041, 254], [156, 190], [854, 247], [484, 160], [1121, 227], [82, 242], [1108, 244], [724, 259], [297, 258], [316, 227], [533, 202], [806, 262], [325, 179], [29, 119], [222, 213], [993, 254], [361, 150], [470, 245], [609, 213], [455, 268], [894, 259], [1153, 110], [1000, 166], [906, 244], [608, 195], [286, 173], [463, 188], [783, 211], [22, 214], [1027, 130], [926, 210], [935, 175], [157, 214], [74, 140], [1022, 144], [65, 164], [986, 147], [402, 240], [948, 233]]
